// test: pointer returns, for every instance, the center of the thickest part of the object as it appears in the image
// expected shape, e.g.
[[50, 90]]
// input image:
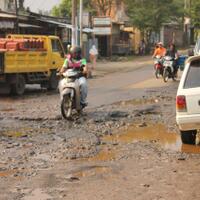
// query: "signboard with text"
[[102, 30], [101, 21], [102, 25]]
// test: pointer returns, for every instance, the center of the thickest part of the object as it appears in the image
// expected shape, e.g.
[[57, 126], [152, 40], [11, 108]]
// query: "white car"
[[188, 101]]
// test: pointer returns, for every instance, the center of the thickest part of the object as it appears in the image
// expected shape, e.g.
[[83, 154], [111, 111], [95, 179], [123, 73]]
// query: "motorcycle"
[[168, 71], [70, 93], [158, 66]]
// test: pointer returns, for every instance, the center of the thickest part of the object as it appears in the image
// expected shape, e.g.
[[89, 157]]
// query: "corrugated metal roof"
[[57, 23], [28, 25]]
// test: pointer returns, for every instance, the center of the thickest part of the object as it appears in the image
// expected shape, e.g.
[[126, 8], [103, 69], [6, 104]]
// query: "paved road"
[[128, 80]]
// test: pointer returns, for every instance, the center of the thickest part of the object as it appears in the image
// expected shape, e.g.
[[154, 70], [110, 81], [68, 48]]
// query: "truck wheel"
[[188, 137], [53, 81], [18, 87]]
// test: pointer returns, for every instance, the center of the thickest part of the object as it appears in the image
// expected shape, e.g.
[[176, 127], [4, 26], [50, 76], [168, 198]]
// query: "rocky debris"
[[152, 110], [72, 178], [118, 114]]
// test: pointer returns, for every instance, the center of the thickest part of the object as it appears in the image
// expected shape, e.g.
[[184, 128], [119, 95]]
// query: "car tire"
[[188, 137]]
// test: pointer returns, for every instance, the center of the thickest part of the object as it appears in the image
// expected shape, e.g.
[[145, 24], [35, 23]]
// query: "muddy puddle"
[[137, 102], [7, 173], [155, 133], [103, 155], [92, 171], [24, 132]]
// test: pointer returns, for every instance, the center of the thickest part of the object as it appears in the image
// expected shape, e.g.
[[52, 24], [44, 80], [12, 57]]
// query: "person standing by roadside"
[[93, 56], [142, 47]]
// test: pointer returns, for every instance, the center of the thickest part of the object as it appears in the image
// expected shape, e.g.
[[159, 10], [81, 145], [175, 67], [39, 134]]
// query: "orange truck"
[[29, 59]]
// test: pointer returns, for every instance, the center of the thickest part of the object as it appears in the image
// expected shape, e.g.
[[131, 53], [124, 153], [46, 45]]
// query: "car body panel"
[[189, 119]]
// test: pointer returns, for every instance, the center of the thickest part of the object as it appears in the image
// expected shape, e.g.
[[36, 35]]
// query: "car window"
[[193, 76], [56, 47]]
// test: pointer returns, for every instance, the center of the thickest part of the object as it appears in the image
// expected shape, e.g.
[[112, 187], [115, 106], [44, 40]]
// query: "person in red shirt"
[[160, 51]]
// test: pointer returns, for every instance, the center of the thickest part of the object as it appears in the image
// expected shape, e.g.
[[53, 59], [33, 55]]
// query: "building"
[[122, 38], [7, 5]]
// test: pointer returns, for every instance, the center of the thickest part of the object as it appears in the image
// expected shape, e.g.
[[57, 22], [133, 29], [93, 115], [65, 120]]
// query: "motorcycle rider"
[[172, 52], [160, 51], [74, 60]]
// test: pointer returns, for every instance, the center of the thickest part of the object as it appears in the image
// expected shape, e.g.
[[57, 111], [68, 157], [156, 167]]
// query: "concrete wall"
[[7, 5], [2, 5]]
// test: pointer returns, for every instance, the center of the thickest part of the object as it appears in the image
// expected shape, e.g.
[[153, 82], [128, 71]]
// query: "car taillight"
[[181, 104]]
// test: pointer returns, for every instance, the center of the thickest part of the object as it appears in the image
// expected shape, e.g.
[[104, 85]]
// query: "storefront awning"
[[4, 15], [69, 26]]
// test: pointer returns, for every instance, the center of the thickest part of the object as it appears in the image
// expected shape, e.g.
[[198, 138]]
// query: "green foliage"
[[92, 6], [194, 13], [63, 9], [149, 15]]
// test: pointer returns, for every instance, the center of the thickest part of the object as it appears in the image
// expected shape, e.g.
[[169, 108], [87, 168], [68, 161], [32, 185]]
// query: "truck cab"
[[30, 59]]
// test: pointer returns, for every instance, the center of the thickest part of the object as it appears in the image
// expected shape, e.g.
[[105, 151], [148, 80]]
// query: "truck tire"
[[188, 137], [53, 81], [18, 87]]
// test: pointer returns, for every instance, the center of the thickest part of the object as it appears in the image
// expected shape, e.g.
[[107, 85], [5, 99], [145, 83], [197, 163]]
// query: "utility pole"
[[81, 23], [17, 17], [74, 9]]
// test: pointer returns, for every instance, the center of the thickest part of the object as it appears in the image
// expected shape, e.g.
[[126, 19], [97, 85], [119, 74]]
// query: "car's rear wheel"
[[188, 137]]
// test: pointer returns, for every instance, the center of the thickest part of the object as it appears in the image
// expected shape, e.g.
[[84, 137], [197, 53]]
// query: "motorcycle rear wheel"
[[66, 107]]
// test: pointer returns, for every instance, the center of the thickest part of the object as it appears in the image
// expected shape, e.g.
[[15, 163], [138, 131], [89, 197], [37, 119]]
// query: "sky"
[[44, 5]]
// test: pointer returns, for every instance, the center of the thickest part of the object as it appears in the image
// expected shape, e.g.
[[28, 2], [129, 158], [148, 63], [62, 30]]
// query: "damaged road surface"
[[125, 145]]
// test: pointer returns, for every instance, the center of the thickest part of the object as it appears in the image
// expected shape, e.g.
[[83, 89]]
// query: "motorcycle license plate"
[[168, 63]]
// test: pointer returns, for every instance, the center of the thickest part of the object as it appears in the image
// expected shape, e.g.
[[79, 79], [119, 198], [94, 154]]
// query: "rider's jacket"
[[71, 63], [161, 51]]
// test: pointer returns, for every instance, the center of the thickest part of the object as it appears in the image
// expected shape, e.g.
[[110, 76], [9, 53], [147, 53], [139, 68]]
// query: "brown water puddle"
[[103, 155], [156, 133], [8, 110], [92, 171], [190, 149], [23, 132], [7, 173], [137, 102], [16, 134]]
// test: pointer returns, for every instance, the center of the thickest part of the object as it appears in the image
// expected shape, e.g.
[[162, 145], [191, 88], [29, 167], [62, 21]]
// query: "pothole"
[[155, 133]]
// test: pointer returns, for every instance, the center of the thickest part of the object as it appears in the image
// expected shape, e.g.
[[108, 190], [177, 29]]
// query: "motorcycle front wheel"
[[157, 73], [66, 107], [165, 75]]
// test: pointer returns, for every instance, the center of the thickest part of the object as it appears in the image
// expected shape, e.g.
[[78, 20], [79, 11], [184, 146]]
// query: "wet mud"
[[48, 157]]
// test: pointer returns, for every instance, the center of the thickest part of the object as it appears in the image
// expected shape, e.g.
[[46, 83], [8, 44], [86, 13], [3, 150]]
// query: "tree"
[[63, 9], [96, 7], [194, 13], [103, 7], [149, 16]]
